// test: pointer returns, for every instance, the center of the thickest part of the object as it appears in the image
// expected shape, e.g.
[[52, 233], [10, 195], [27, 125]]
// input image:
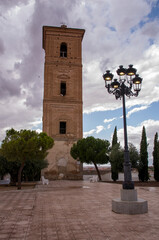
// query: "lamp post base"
[[128, 185], [129, 203]]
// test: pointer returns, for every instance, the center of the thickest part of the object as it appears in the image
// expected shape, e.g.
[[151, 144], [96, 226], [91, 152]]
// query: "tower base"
[[61, 165], [129, 203]]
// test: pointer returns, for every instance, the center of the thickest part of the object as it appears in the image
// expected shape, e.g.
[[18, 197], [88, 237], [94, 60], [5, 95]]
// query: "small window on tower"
[[62, 127], [63, 50], [63, 89]]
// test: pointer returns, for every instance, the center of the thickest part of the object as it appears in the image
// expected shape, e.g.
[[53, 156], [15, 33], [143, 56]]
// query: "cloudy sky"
[[117, 33]]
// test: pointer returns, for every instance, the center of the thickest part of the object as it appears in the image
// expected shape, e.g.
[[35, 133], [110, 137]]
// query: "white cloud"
[[119, 47], [135, 133], [147, 66], [97, 130], [110, 39], [109, 120], [39, 130], [89, 133], [137, 109], [130, 14]]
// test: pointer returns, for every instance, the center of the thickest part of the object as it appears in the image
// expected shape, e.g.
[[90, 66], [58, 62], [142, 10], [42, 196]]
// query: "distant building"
[[62, 102]]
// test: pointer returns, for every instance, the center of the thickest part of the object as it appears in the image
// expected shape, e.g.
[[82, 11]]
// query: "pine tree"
[[91, 150], [134, 155], [115, 138], [116, 157], [156, 158], [143, 161]]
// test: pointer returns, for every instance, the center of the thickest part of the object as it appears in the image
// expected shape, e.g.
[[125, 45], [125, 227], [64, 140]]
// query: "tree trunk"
[[99, 176], [19, 175]]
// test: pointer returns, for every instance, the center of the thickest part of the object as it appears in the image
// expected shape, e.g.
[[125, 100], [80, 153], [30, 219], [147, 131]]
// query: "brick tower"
[[62, 102]]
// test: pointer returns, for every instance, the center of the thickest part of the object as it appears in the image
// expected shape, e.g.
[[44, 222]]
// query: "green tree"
[[91, 150], [32, 169], [116, 157], [156, 158], [134, 156], [143, 161], [116, 160], [25, 145], [3, 166], [115, 138], [13, 168]]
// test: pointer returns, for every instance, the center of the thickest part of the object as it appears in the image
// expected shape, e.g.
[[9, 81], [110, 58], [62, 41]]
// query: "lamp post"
[[129, 84]]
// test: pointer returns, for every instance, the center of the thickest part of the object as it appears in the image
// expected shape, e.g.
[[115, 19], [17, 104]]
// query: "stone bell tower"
[[62, 102]]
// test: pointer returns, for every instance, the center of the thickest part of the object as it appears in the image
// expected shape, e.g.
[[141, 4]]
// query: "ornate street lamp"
[[129, 84]]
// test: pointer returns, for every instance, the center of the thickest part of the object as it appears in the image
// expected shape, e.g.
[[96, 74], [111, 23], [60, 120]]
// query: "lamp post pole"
[[128, 183], [120, 88]]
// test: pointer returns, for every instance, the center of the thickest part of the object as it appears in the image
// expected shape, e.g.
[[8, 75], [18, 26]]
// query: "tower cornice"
[[71, 32]]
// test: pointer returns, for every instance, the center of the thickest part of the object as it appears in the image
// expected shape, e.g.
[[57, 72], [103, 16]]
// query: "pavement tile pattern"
[[75, 210]]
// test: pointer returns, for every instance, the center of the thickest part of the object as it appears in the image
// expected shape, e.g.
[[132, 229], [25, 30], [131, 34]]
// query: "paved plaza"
[[72, 210]]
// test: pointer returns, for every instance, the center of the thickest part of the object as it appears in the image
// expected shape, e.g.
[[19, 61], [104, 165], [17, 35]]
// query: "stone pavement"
[[72, 210]]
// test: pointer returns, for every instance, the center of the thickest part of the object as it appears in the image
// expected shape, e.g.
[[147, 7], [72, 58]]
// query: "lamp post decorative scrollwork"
[[129, 84]]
